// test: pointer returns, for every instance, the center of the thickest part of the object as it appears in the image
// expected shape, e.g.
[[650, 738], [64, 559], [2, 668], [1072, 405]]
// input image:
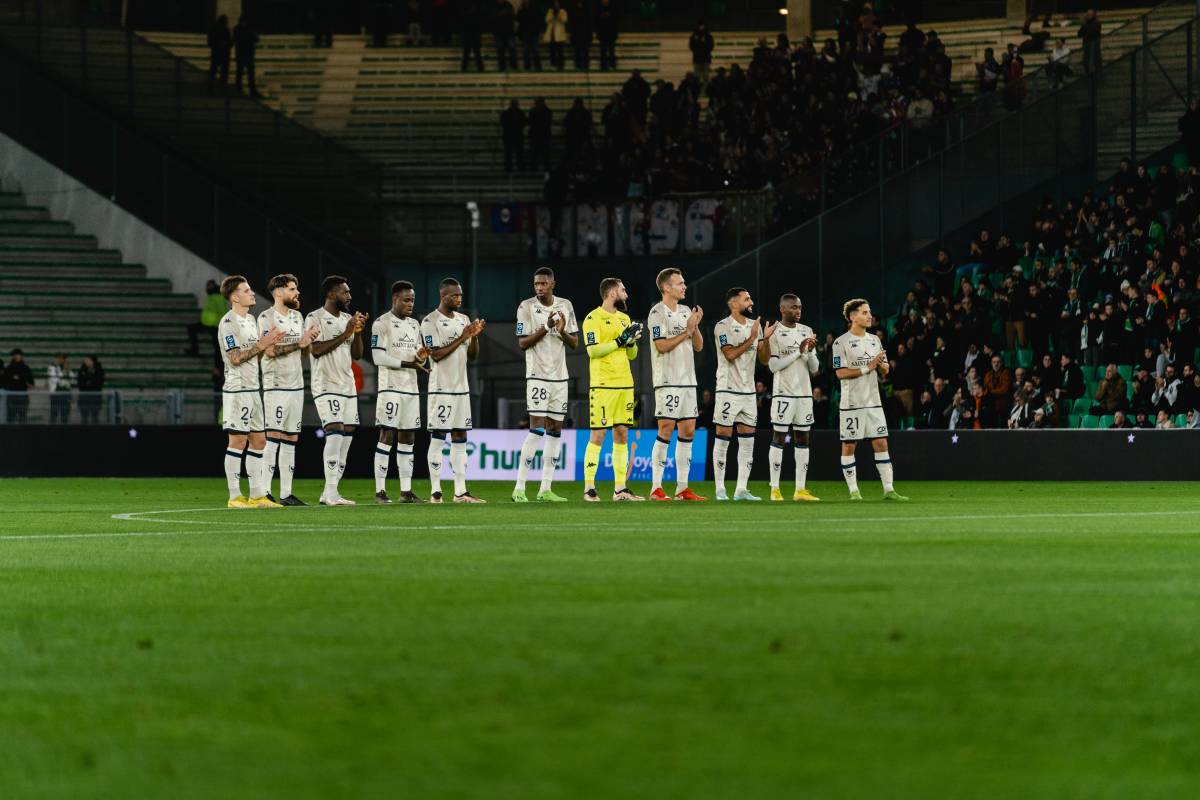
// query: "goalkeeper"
[[611, 340]]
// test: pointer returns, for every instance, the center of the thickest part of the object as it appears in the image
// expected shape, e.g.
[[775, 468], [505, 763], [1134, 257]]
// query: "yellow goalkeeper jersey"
[[610, 371]]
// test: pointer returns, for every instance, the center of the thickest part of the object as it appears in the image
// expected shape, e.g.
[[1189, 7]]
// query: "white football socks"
[[329, 463], [850, 473], [233, 472], [883, 463], [270, 456], [404, 466], [801, 451], [255, 470], [434, 459], [383, 463], [287, 467], [344, 452], [745, 461], [552, 445], [658, 461], [683, 463], [720, 455], [529, 449], [458, 463], [775, 459]]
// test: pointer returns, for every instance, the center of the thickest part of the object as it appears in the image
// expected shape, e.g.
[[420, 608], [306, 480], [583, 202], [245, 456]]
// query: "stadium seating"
[[62, 292], [436, 127]]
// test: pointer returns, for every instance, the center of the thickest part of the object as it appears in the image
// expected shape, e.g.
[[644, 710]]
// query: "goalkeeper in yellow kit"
[[611, 340]]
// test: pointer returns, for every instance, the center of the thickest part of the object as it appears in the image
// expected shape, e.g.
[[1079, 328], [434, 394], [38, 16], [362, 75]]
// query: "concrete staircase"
[[61, 292]]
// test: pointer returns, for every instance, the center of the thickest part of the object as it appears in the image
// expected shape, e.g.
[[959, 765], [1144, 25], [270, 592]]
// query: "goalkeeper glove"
[[630, 335]]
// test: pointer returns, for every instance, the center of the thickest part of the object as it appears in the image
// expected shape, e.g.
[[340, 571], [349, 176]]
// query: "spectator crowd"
[[1090, 315]]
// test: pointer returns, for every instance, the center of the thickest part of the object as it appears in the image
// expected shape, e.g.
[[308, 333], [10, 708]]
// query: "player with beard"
[[397, 352], [452, 339], [283, 382], [335, 395], [611, 339], [737, 339]]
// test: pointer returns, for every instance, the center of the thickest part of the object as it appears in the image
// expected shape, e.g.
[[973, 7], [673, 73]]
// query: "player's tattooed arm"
[[239, 357]]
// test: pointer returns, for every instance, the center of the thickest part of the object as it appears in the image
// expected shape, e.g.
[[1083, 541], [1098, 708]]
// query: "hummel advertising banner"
[[495, 455]]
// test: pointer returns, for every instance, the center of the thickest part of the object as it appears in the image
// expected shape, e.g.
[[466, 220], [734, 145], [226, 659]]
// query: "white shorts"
[[675, 402], [448, 412], [398, 410], [734, 407], [791, 412], [283, 408], [546, 398], [336, 409], [862, 423], [242, 412]]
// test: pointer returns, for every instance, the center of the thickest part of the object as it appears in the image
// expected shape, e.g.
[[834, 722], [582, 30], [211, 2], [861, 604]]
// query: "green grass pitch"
[[985, 640]]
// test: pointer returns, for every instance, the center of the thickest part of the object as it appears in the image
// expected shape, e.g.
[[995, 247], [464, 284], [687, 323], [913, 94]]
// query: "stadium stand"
[[1117, 282], [63, 293]]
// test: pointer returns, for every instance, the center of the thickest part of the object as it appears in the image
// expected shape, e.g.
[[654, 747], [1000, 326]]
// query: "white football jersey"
[[735, 376], [794, 380], [286, 371], [331, 373], [546, 360], [678, 367], [448, 376], [857, 351], [238, 332], [399, 338]]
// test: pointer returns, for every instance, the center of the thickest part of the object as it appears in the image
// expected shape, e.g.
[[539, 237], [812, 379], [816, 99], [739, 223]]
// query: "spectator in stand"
[[989, 72], [471, 24], [1189, 130], [701, 44], [607, 30], [529, 28], [1059, 63], [210, 317], [580, 28], [245, 48], [904, 378], [541, 123], [220, 42], [1120, 421], [17, 380], [1166, 393], [1070, 378], [556, 33], [1110, 393], [90, 380], [1022, 411], [998, 385], [59, 381], [1163, 421], [503, 23], [577, 125], [512, 124], [1089, 32], [414, 20]]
